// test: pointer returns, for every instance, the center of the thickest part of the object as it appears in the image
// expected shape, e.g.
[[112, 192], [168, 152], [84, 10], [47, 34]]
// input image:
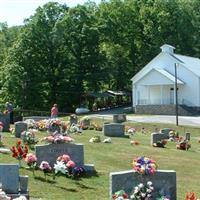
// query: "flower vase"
[[20, 164]]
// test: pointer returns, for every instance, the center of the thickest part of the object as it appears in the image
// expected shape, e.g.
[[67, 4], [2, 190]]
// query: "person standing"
[[54, 111], [9, 109]]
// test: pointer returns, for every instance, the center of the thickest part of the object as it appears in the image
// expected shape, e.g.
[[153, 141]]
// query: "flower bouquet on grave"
[[191, 196], [143, 192], [144, 165], [134, 142], [64, 165], [160, 143], [53, 125], [120, 195], [46, 168], [1, 126], [56, 138], [28, 137], [183, 145], [95, 139], [31, 161], [97, 127], [19, 151], [41, 125]]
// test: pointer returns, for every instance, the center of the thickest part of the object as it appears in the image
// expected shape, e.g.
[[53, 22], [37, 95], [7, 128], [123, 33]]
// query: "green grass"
[[116, 157]]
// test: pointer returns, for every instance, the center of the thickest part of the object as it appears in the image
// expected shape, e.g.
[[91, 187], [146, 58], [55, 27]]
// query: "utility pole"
[[176, 92]]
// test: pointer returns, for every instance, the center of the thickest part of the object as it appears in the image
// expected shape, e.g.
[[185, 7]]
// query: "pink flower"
[[50, 138], [64, 158], [30, 158], [71, 164], [44, 166], [67, 139]]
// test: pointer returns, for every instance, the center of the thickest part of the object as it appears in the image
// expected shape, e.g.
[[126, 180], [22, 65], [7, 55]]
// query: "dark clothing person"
[[9, 109]]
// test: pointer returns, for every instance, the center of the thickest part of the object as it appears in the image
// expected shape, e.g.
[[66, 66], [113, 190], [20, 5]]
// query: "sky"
[[15, 11]]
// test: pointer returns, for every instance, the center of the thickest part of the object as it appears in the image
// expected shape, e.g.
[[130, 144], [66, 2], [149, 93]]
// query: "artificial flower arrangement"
[[28, 137], [1, 126], [191, 196], [46, 168], [19, 151], [31, 123], [75, 128], [183, 145], [3, 196], [144, 165], [120, 195], [57, 138], [97, 127], [143, 192], [95, 139], [131, 131], [85, 123], [41, 125], [134, 142], [64, 165], [160, 143], [31, 161], [53, 125]]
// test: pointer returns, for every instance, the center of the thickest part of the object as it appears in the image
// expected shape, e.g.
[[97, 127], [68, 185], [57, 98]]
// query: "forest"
[[63, 53]]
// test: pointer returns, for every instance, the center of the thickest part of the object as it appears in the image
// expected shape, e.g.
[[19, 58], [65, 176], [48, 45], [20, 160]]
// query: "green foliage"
[[62, 53]]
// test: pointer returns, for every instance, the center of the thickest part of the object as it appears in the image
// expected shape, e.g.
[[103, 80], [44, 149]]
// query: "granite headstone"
[[19, 128], [164, 181], [187, 136], [155, 137], [114, 130], [9, 177], [5, 119], [119, 118], [50, 152]]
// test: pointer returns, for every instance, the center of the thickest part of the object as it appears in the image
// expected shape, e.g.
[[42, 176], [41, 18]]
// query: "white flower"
[[60, 167], [143, 194], [149, 190], [140, 185], [149, 183], [136, 189], [148, 195]]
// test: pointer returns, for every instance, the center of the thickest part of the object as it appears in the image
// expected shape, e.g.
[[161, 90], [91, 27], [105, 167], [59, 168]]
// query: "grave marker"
[[50, 152], [164, 181], [19, 128], [114, 130]]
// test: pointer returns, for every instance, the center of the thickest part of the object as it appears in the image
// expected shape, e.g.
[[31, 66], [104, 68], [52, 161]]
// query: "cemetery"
[[55, 168]]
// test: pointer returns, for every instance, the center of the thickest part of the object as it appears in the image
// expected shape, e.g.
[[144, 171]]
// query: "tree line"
[[62, 53]]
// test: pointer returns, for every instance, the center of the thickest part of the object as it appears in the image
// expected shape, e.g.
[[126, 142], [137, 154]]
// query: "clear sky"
[[15, 11]]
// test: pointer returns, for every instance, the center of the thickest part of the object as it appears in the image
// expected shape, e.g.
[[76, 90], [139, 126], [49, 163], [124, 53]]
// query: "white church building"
[[153, 87]]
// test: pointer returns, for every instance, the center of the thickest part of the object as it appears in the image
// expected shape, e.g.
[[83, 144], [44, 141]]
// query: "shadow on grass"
[[44, 180], [81, 185], [66, 189]]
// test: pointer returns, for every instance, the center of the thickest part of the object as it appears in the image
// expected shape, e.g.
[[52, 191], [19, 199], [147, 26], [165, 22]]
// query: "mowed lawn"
[[116, 157]]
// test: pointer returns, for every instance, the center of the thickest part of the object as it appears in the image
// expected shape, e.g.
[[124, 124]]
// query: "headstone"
[[5, 119], [73, 119], [19, 128], [9, 177], [36, 118], [23, 184], [50, 153], [119, 118], [114, 130], [187, 136], [164, 181], [166, 131], [155, 137]]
